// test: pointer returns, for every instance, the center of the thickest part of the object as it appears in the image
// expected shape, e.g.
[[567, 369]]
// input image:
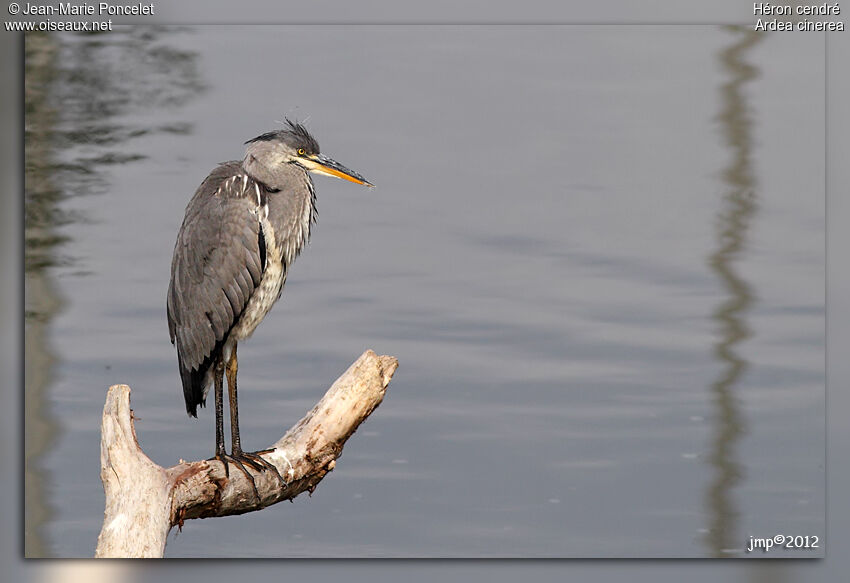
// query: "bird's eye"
[[301, 151]]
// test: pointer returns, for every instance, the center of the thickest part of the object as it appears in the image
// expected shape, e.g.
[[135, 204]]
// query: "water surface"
[[598, 253]]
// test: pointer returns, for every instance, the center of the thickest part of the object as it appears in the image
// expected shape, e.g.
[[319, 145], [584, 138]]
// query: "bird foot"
[[260, 464], [238, 460], [251, 459]]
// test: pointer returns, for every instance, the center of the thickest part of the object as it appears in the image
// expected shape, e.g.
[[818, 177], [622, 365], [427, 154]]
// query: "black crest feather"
[[295, 134]]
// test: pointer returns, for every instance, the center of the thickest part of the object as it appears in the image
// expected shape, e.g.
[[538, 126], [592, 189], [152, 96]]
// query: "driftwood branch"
[[144, 501]]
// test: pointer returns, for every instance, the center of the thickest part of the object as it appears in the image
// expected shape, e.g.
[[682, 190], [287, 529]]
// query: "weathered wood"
[[144, 500]]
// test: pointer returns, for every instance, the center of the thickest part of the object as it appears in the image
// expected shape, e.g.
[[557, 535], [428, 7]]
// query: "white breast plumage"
[[271, 283]]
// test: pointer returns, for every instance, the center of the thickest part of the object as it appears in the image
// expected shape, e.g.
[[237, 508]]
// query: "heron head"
[[295, 145]]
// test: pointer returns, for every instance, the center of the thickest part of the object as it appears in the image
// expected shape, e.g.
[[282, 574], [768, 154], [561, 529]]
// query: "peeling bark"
[[145, 501]]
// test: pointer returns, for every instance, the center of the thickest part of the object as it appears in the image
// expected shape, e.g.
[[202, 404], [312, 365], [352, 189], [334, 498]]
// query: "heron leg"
[[220, 453], [252, 459], [218, 381], [232, 367]]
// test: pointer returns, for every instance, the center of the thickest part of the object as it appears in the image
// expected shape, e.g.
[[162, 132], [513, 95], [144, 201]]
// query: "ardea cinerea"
[[243, 228]]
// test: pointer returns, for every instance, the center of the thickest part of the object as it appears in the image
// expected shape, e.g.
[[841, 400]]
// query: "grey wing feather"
[[217, 247]]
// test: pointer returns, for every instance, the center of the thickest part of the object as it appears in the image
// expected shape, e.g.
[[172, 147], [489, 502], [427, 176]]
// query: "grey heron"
[[243, 228]]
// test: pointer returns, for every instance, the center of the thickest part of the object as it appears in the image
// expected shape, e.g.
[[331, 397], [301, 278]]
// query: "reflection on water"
[[547, 326], [79, 91], [739, 206], [42, 301]]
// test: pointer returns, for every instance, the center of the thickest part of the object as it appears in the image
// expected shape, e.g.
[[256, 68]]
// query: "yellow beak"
[[320, 164]]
